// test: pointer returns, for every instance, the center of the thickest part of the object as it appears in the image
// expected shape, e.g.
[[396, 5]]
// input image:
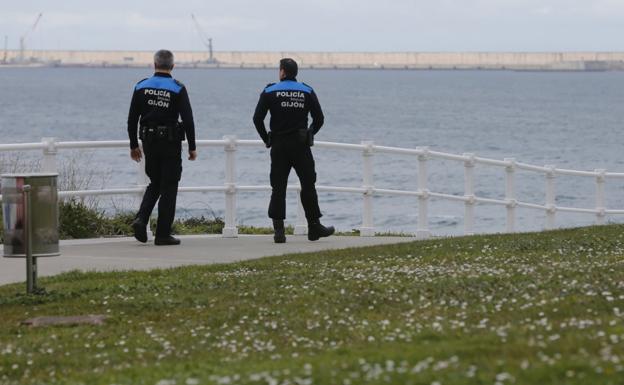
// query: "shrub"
[[77, 220], [201, 225]]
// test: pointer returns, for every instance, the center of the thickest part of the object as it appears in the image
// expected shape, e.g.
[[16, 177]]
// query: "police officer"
[[290, 139], [156, 105]]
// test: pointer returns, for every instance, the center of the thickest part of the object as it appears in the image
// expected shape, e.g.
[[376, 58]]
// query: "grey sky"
[[321, 25]]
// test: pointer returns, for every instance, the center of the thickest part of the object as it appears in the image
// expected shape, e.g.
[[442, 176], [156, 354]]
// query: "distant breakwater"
[[517, 61]]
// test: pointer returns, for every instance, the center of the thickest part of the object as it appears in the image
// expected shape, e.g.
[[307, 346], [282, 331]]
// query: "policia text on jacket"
[[158, 104], [289, 103], [161, 115]]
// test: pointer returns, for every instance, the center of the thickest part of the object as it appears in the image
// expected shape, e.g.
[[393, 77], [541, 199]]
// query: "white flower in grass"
[[504, 376], [166, 382]]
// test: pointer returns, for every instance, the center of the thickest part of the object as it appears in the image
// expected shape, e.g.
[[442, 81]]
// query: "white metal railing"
[[230, 144]]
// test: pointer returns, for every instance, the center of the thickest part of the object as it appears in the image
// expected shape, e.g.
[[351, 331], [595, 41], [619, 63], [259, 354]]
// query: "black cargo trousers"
[[163, 166], [288, 152]]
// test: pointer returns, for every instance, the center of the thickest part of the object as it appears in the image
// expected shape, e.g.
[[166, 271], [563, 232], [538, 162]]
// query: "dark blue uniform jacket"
[[160, 101], [289, 102]]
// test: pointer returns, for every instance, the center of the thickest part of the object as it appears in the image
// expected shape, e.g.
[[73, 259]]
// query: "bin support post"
[[31, 262], [230, 230]]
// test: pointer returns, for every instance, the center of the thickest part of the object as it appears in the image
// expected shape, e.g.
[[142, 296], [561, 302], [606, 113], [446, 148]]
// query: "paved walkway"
[[128, 254]]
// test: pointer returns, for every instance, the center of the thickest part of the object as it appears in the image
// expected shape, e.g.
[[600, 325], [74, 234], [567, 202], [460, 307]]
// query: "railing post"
[[600, 197], [368, 228], [301, 227], [510, 194], [142, 181], [142, 178], [230, 229], [422, 230], [469, 218], [49, 155], [551, 209]]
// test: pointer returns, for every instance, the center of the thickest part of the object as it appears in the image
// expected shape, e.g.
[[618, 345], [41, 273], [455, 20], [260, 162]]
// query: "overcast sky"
[[319, 25]]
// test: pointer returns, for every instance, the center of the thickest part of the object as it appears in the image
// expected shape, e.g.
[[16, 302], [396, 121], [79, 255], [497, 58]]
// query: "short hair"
[[163, 60], [290, 67]]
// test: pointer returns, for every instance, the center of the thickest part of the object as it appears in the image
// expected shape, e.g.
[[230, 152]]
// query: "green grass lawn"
[[537, 309]]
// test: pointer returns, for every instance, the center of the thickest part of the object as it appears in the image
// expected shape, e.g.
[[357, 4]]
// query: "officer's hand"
[[136, 154], [192, 155]]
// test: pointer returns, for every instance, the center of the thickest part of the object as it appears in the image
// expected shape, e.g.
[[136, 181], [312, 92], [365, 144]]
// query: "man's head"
[[288, 69], [163, 61]]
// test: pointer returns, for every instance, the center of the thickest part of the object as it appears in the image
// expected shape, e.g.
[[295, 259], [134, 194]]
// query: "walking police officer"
[[157, 104], [290, 140]]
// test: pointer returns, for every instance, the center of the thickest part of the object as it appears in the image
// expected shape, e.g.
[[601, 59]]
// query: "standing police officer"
[[156, 105], [290, 139]]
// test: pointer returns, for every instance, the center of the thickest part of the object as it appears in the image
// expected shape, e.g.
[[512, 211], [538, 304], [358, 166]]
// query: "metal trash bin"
[[31, 224], [43, 214]]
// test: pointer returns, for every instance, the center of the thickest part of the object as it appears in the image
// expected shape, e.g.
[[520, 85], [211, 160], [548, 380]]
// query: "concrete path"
[[128, 254]]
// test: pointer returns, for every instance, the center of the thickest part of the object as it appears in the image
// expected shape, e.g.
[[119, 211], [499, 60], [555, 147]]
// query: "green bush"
[[119, 224], [76, 220], [262, 230], [201, 225], [79, 220]]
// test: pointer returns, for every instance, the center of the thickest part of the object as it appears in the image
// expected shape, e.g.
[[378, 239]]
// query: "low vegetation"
[[78, 220], [543, 308]]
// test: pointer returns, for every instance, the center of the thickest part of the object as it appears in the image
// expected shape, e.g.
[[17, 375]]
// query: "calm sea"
[[572, 120]]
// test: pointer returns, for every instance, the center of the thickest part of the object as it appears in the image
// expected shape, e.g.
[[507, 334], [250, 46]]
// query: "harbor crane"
[[22, 41], [207, 41]]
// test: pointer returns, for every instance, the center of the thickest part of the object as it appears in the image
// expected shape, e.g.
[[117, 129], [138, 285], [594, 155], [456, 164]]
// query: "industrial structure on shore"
[[521, 61], [21, 57], [517, 61]]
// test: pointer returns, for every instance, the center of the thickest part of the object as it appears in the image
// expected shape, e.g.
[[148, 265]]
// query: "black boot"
[[280, 232], [166, 241], [140, 230], [316, 230]]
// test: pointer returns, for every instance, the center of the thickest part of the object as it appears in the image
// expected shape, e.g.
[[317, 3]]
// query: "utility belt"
[[170, 133], [303, 136]]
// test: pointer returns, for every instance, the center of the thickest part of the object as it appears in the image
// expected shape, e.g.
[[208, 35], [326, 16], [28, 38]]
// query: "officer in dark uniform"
[[290, 140], [157, 104]]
